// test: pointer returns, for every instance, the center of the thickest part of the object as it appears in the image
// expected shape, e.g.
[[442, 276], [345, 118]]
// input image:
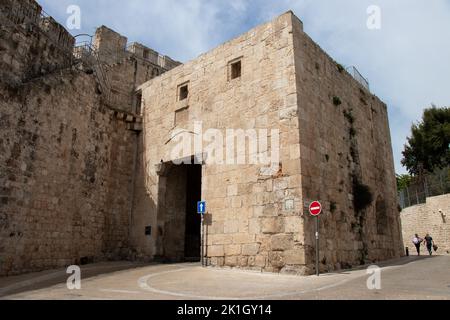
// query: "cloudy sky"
[[407, 61]]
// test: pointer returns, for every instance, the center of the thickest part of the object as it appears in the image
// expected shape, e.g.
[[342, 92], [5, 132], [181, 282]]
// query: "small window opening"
[[138, 102], [146, 54], [183, 92], [236, 70]]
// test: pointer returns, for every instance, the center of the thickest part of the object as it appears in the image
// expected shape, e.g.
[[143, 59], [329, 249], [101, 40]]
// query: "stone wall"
[[65, 176], [20, 11], [248, 222], [433, 218], [334, 140], [125, 68], [345, 141], [68, 161], [31, 45], [79, 183]]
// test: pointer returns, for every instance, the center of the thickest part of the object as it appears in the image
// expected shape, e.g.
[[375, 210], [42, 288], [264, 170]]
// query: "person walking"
[[417, 242], [429, 242]]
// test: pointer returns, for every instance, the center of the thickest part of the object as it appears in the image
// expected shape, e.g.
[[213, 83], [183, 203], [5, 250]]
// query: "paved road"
[[407, 278]]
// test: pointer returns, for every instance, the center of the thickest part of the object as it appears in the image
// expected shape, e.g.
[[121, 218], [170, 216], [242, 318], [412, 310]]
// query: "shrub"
[[363, 196], [333, 207], [349, 116], [337, 101]]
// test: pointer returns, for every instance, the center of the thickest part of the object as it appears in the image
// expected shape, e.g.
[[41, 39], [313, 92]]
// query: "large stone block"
[[295, 257], [243, 238], [233, 250], [282, 242], [254, 226], [250, 249], [276, 260], [271, 225], [232, 261], [215, 251], [231, 226]]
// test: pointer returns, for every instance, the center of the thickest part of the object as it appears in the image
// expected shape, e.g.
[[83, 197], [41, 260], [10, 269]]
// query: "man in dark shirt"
[[429, 243]]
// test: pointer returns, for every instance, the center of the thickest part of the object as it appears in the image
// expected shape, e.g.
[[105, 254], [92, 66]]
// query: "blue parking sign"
[[201, 207]]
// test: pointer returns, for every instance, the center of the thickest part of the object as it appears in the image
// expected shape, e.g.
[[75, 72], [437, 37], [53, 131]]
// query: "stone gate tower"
[[335, 147]]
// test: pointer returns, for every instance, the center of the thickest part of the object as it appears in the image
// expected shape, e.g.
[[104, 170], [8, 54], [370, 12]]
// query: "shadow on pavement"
[[390, 263], [40, 280]]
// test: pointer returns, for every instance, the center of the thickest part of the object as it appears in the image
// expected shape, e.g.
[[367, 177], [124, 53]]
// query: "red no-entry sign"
[[315, 208]]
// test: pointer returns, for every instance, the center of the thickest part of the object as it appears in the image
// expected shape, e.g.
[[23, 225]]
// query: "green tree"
[[428, 148], [403, 181]]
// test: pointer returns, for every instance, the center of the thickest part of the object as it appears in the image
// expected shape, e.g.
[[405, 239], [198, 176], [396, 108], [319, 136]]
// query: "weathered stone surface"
[[67, 166], [233, 250], [250, 249], [216, 251], [281, 242], [431, 218], [78, 181], [271, 225], [232, 261], [292, 91], [295, 257]]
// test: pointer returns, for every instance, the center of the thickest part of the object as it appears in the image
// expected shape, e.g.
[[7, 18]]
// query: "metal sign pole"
[[202, 241], [317, 247]]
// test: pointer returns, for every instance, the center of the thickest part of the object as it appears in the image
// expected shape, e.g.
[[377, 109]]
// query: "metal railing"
[[84, 52], [431, 185], [44, 15], [358, 77]]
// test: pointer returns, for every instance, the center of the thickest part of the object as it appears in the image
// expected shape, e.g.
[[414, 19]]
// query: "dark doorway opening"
[[179, 235], [192, 243]]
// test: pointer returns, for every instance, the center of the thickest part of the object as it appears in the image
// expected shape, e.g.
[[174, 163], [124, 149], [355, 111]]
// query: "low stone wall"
[[427, 218]]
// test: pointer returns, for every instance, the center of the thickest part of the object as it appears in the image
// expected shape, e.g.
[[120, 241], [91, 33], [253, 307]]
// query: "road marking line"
[[120, 291], [143, 284]]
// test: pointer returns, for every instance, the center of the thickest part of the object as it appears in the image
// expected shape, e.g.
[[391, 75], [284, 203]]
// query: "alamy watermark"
[[227, 147], [73, 22], [74, 281], [374, 281], [374, 19]]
